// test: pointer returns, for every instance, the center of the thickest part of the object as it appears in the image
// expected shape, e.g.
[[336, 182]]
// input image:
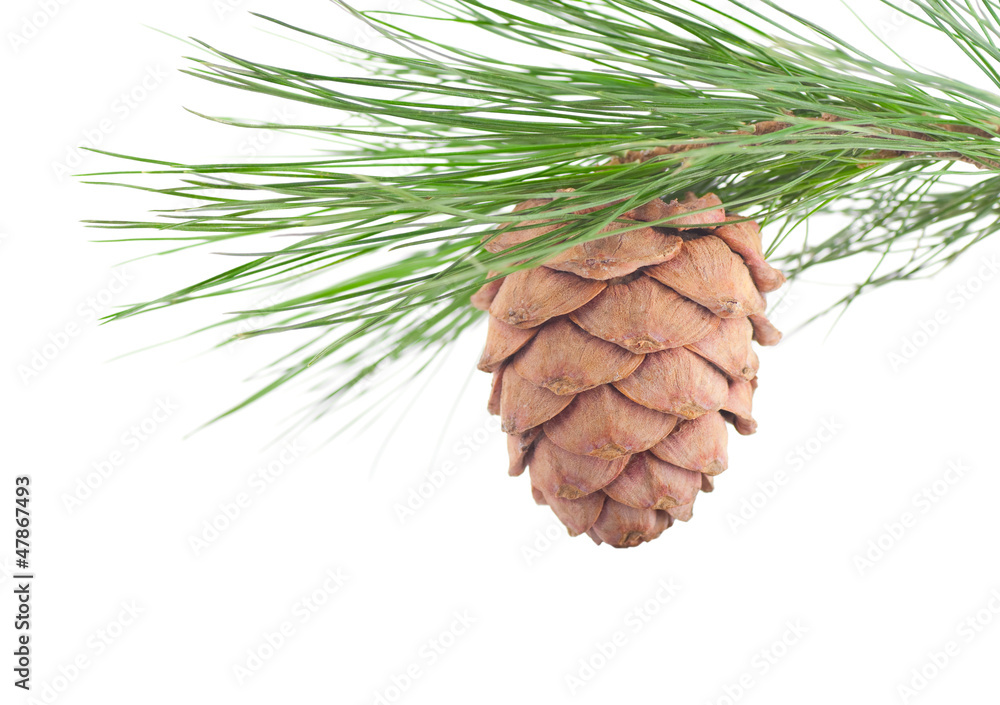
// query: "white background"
[[539, 602]]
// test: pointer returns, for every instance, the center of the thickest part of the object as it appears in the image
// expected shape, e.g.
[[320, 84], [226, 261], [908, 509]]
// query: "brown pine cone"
[[618, 362]]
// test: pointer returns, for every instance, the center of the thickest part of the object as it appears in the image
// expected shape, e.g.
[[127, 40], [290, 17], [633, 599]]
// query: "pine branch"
[[435, 143]]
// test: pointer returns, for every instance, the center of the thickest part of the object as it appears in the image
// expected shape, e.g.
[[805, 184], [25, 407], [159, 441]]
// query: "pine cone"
[[617, 363]]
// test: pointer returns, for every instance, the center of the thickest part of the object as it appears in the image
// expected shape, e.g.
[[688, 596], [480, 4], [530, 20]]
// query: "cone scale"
[[619, 364]]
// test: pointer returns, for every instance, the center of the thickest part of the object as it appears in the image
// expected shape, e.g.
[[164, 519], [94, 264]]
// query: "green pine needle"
[[426, 152]]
